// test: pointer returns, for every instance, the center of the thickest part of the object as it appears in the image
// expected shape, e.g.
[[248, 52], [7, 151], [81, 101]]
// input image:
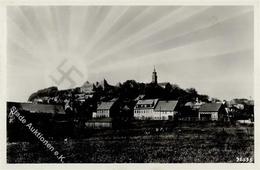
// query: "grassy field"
[[179, 145]]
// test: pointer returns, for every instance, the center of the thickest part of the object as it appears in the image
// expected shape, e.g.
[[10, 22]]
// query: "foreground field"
[[233, 144]]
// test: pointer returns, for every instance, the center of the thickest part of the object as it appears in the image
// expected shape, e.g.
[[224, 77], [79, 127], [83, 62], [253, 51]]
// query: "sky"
[[209, 48]]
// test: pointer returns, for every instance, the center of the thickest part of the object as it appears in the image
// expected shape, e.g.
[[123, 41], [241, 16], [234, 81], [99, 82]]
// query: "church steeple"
[[154, 76]]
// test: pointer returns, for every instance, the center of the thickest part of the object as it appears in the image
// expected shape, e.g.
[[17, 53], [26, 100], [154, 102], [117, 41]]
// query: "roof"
[[105, 105], [40, 108], [87, 86], [190, 104], [141, 96], [114, 99], [166, 105], [210, 107], [151, 102], [147, 101]]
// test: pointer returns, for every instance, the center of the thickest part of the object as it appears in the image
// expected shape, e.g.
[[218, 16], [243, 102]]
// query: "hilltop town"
[[96, 105], [98, 122]]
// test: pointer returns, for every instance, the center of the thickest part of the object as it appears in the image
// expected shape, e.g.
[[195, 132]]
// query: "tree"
[[192, 94], [154, 91], [47, 92], [204, 98], [168, 91], [129, 89]]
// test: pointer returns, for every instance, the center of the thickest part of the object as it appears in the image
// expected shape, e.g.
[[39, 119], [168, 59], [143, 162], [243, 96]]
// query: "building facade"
[[104, 109], [212, 112], [166, 110], [153, 109], [144, 109]]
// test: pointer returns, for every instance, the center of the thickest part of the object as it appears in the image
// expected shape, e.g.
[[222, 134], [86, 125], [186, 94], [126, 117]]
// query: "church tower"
[[154, 76]]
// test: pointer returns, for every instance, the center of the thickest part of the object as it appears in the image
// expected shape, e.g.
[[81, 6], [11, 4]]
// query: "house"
[[165, 110], [37, 108], [106, 109], [51, 119], [87, 88], [194, 105], [190, 111], [82, 97], [212, 112], [144, 109], [103, 118]]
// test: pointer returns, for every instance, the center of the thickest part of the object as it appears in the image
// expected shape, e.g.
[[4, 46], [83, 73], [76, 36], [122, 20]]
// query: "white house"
[[165, 110], [105, 109], [144, 109]]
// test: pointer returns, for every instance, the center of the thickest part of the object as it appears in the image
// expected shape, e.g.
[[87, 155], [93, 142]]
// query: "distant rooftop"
[[147, 101], [210, 107], [105, 105], [146, 104], [164, 105]]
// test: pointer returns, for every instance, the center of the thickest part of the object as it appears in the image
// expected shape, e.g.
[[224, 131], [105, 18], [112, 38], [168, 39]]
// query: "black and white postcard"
[[138, 84]]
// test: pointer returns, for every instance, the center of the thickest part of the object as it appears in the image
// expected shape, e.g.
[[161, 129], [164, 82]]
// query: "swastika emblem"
[[65, 75]]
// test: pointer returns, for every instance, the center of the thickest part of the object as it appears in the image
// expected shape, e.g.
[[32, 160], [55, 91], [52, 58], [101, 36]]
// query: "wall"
[[214, 115], [103, 113], [151, 114], [97, 125]]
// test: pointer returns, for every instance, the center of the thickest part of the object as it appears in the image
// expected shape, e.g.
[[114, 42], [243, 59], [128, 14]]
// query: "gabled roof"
[[147, 101], [190, 104], [114, 99], [166, 105], [151, 102], [210, 107], [140, 97], [105, 105]]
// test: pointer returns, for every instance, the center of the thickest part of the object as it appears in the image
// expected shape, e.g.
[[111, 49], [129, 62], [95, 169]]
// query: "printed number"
[[244, 159]]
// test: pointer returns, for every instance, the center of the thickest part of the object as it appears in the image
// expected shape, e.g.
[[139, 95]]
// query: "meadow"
[[181, 144]]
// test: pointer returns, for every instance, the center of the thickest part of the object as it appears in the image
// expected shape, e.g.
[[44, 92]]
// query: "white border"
[[154, 166]]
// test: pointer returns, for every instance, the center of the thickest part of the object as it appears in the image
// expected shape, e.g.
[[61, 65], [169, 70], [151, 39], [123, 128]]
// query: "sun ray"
[[111, 18], [123, 21], [78, 17], [155, 59], [161, 24], [176, 39], [24, 40], [18, 34], [207, 43], [88, 27], [112, 40]]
